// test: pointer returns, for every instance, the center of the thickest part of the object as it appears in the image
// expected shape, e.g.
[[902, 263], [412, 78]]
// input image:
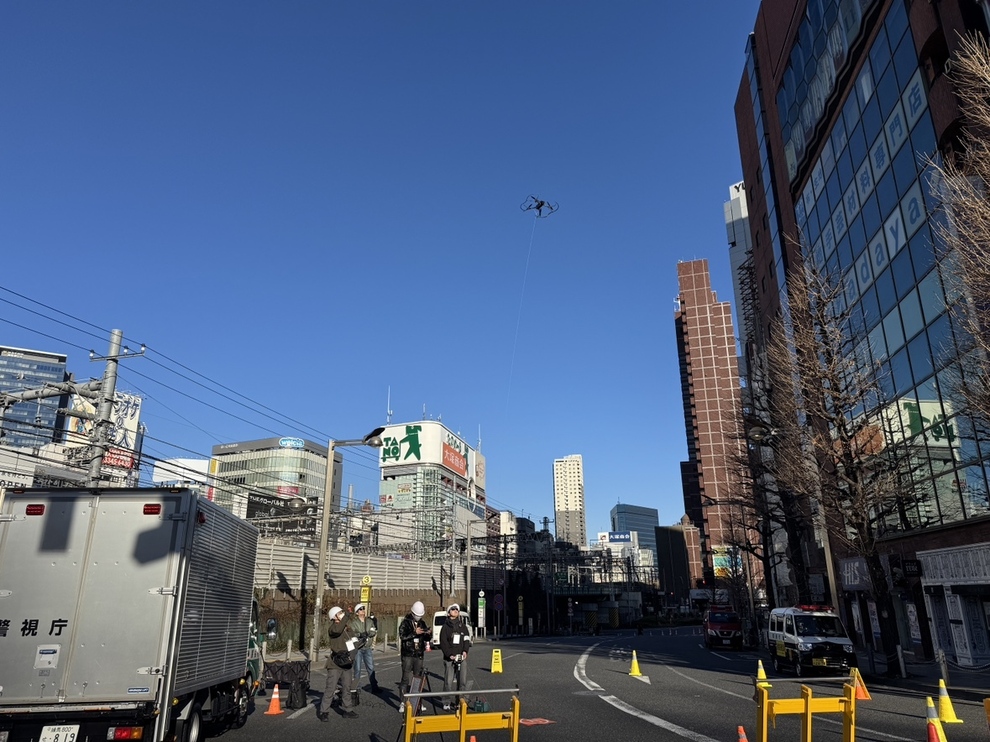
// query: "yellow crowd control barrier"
[[768, 709], [463, 720]]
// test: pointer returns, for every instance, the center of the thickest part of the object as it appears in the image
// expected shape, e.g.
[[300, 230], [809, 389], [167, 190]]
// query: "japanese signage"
[[427, 442]]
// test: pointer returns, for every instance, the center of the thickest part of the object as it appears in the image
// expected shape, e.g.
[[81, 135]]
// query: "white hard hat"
[[418, 609], [334, 611]]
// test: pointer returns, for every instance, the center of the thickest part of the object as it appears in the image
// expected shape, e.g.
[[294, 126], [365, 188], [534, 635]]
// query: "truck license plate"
[[820, 661], [59, 733], [727, 641]]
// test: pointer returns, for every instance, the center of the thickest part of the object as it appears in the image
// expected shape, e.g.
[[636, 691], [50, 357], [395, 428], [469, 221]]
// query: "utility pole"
[[99, 439]]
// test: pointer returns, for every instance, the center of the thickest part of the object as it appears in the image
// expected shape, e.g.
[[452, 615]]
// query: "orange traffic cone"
[[275, 706], [862, 694], [932, 733], [742, 734], [946, 714]]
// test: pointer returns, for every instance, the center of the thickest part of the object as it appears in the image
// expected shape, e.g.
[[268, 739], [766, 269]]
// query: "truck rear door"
[[87, 584]]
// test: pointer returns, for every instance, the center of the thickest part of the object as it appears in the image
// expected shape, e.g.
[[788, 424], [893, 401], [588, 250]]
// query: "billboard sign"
[[123, 436], [424, 442]]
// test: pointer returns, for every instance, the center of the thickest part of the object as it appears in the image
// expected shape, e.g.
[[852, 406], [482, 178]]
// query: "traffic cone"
[[856, 680], [275, 705], [932, 718], [946, 714], [933, 733], [761, 676], [741, 731], [635, 667]]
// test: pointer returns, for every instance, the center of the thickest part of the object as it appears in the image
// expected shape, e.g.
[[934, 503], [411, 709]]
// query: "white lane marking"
[[722, 656], [582, 677], [643, 678]]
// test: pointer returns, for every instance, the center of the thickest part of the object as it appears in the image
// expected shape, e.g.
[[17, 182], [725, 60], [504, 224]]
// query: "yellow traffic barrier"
[[463, 721], [761, 675], [635, 667], [496, 660], [946, 714], [767, 710]]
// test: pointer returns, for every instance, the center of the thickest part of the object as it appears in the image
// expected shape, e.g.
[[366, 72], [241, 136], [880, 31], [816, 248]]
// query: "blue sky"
[[299, 206]]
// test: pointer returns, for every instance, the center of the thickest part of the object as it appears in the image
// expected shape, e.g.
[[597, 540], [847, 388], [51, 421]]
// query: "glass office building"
[[835, 142], [36, 422], [643, 521]]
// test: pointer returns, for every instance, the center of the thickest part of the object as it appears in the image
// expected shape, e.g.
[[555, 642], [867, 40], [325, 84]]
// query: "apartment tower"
[[568, 500], [706, 351]]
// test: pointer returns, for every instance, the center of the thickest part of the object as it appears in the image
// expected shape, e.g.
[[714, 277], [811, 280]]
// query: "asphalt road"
[[582, 688]]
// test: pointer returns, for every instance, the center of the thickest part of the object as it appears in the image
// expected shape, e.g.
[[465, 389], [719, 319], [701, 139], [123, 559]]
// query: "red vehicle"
[[723, 627]]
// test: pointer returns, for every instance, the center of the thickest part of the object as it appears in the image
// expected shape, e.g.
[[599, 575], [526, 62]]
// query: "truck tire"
[[242, 702], [189, 729]]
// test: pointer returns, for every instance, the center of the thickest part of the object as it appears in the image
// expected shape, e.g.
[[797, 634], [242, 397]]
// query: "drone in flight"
[[542, 208]]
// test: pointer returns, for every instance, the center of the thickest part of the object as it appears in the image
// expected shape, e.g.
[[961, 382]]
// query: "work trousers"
[[454, 672], [410, 666], [337, 675]]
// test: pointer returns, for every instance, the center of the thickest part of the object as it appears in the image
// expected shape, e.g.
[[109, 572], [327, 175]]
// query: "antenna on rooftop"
[[479, 438], [388, 407]]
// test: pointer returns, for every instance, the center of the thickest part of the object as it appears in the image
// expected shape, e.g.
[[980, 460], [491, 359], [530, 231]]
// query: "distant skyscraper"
[[706, 350], [639, 519], [568, 500], [737, 233], [37, 422]]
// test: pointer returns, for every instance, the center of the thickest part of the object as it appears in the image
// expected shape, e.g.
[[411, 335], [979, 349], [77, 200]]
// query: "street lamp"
[[374, 440]]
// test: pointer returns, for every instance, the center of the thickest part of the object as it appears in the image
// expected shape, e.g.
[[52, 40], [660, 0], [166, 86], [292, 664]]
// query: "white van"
[[438, 620], [809, 638]]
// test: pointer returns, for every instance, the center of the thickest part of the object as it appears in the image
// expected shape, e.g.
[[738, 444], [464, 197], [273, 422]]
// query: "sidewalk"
[[969, 684]]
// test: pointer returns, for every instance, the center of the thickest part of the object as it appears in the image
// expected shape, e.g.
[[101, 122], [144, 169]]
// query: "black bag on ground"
[[296, 698]]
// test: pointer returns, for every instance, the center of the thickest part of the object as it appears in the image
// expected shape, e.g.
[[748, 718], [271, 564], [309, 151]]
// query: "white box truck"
[[125, 614]]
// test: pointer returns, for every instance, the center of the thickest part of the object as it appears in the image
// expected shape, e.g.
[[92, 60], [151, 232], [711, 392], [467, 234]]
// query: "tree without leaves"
[[839, 445], [962, 224]]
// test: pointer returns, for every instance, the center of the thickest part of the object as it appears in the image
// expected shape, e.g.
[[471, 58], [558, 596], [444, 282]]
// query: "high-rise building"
[[36, 422], [840, 105], [740, 246], [432, 492], [640, 519], [706, 351], [568, 500]]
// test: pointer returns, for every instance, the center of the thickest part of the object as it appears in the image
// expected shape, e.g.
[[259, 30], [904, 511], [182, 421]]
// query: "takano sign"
[[424, 442]]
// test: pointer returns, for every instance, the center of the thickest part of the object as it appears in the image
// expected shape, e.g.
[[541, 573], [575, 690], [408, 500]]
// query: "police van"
[[809, 638]]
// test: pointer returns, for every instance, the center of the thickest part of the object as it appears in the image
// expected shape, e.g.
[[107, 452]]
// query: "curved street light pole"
[[374, 440]]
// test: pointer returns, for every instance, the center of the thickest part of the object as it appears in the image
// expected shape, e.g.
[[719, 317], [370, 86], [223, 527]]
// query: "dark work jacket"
[[411, 645], [449, 629], [340, 632]]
